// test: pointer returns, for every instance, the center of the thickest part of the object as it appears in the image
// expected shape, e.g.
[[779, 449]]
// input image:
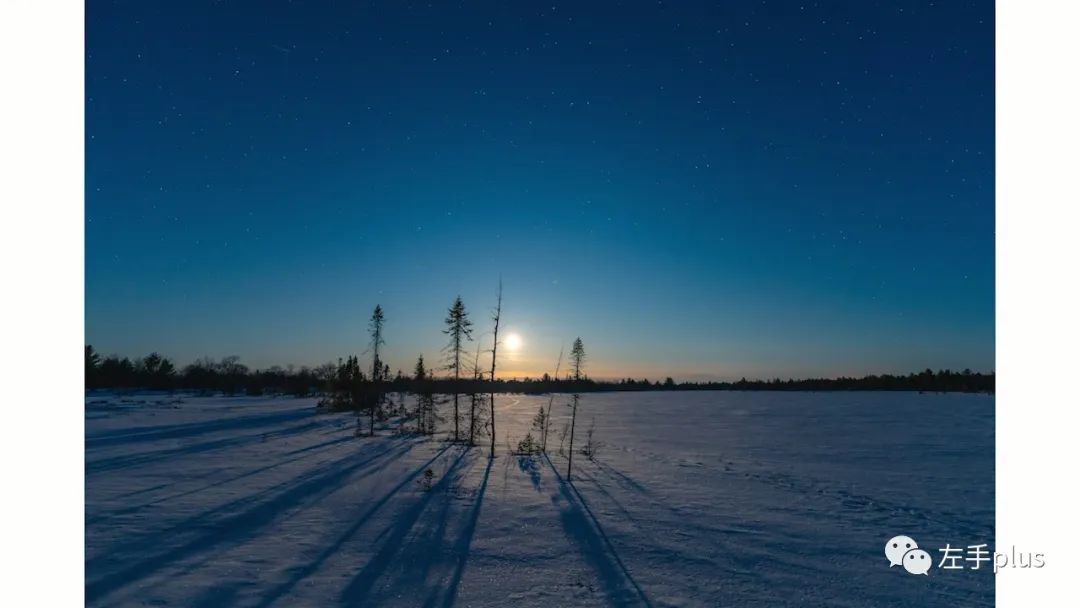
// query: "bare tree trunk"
[[477, 375], [472, 419], [457, 376], [494, 352], [547, 425], [573, 421], [547, 418], [373, 400]]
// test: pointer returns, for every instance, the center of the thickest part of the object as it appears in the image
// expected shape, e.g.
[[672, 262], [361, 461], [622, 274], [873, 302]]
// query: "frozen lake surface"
[[694, 499]]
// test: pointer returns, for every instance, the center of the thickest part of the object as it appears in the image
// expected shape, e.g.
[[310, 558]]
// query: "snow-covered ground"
[[695, 499]]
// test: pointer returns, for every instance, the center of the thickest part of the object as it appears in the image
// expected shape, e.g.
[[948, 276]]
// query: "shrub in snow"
[[591, 444], [426, 480], [528, 445]]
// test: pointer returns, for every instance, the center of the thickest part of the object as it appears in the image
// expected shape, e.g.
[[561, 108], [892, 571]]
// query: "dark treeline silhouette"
[[230, 376], [942, 381]]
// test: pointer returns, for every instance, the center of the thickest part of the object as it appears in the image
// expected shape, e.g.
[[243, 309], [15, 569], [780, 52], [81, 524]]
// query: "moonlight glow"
[[513, 342], [713, 191]]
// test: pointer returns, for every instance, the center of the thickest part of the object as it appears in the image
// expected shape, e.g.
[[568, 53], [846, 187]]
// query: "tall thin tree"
[[547, 418], [459, 328], [494, 353], [477, 377], [375, 328], [577, 358], [573, 422], [423, 395]]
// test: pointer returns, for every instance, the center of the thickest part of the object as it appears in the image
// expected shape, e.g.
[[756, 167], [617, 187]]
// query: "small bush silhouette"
[[528, 445], [426, 480]]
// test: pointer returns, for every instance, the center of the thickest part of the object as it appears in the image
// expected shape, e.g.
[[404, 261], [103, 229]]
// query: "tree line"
[[230, 376]]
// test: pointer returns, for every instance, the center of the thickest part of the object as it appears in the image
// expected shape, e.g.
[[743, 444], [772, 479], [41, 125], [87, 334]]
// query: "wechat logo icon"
[[904, 551]]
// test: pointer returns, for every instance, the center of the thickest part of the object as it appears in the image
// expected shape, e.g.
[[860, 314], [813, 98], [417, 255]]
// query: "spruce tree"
[[420, 372], [577, 358], [379, 371], [459, 328], [92, 362]]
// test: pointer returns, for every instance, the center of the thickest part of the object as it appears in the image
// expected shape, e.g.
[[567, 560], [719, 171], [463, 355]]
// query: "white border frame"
[[1037, 304], [41, 314], [41, 245]]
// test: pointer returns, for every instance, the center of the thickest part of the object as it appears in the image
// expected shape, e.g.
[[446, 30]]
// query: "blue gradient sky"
[[749, 189]]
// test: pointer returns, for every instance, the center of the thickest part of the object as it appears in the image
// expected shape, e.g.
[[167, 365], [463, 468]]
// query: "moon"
[[513, 342]]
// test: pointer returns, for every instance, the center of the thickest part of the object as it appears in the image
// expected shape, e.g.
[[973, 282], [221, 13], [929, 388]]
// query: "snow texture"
[[694, 499]]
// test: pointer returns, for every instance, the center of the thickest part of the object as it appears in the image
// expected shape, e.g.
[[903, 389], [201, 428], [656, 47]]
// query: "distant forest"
[[230, 376]]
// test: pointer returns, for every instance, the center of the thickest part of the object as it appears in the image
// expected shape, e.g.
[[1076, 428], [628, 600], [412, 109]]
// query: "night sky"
[[702, 190]]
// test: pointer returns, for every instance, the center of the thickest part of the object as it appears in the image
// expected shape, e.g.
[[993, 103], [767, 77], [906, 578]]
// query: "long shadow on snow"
[[159, 486], [195, 523], [322, 445], [684, 519], [356, 592], [622, 478], [131, 460], [188, 429], [217, 596], [418, 556], [461, 548], [310, 568], [134, 493], [303, 491], [611, 498], [580, 524], [528, 465], [113, 513]]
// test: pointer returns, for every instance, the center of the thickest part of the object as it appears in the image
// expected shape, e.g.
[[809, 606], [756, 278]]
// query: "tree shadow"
[[229, 530], [600, 488], [464, 542], [218, 595], [134, 493], [528, 465], [131, 460], [581, 525], [311, 567], [358, 589], [136, 508], [322, 445], [622, 478], [189, 429], [151, 540]]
